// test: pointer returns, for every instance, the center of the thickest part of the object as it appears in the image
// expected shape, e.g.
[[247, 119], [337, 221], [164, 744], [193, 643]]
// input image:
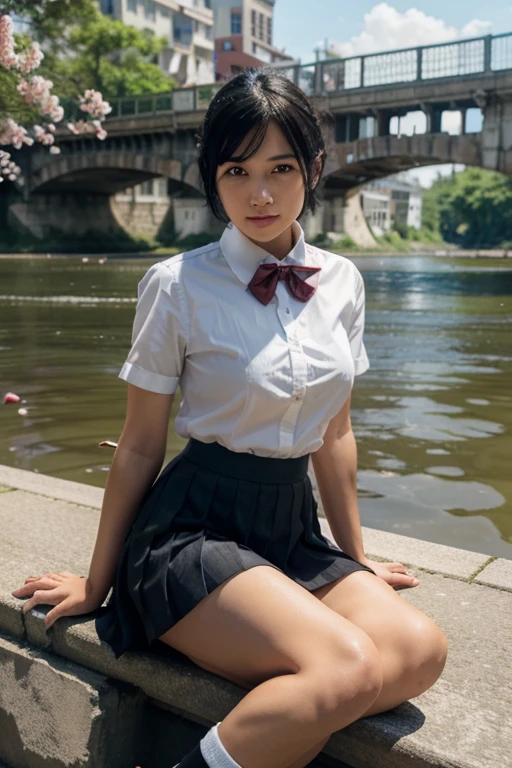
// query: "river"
[[432, 416]]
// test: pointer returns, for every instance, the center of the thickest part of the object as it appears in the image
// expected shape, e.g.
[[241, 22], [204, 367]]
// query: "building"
[[243, 32], [187, 25], [377, 210], [404, 202]]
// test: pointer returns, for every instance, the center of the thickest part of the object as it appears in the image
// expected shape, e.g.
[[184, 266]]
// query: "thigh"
[[260, 624], [401, 632]]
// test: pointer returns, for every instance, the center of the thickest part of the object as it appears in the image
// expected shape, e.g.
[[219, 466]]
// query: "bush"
[[321, 240], [393, 239], [94, 241], [345, 243], [401, 228]]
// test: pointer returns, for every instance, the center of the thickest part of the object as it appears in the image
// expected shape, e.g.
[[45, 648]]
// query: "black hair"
[[250, 100]]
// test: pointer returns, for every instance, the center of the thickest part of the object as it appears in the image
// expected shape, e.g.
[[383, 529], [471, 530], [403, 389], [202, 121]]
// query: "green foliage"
[[85, 49], [115, 59], [94, 241], [401, 228], [393, 239], [472, 208]]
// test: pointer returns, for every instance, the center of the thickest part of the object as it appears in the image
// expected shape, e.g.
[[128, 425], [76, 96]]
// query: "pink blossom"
[[8, 57], [92, 102], [8, 168], [12, 133]]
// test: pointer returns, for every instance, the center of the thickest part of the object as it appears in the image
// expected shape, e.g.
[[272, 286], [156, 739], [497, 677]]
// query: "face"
[[264, 195]]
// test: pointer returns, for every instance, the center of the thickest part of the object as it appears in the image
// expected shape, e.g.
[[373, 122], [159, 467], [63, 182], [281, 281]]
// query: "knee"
[[349, 678], [426, 648]]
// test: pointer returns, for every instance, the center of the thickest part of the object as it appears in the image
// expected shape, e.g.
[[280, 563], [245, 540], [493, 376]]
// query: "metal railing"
[[474, 56]]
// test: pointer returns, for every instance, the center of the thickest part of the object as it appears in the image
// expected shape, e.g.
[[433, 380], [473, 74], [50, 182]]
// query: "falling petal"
[[10, 397]]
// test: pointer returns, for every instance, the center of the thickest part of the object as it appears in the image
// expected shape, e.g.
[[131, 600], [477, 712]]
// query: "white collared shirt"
[[260, 379]]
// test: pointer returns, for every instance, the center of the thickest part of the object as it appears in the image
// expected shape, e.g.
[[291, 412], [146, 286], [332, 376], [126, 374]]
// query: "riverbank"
[[158, 703], [160, 253]]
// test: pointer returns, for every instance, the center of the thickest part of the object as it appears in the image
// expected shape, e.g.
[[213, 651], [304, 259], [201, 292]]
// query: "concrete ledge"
[[463, 721], [54, 712]]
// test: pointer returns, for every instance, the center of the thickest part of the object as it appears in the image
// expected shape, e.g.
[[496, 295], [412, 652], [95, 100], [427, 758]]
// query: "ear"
[[317, 169]]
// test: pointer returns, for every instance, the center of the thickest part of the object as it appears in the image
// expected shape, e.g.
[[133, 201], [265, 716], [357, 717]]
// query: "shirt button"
[[287, 310], [298, 397]]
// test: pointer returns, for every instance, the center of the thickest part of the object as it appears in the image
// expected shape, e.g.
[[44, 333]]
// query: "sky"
[[367, 27]]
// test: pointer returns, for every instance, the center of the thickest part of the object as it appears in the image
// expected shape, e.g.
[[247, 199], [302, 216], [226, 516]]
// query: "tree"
[[471, 208], [114, 58]]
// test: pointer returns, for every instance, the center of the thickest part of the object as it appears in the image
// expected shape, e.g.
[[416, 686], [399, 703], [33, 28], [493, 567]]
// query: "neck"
[[280, 246]]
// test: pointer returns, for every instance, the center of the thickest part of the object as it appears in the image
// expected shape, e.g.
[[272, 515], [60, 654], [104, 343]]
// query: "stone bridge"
[[364, 100]]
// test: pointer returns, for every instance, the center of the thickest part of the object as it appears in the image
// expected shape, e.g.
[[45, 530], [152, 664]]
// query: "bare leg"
[[313, 672]]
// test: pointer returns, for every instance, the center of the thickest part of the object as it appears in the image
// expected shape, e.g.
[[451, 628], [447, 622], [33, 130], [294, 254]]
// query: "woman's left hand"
[[394, 574]]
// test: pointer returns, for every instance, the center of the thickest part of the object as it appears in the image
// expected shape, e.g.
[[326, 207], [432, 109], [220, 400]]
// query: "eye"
[[234, 168], [289, 167]]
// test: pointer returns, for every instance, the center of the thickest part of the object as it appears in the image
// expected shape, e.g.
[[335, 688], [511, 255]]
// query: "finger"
[[402, 579], [28, 589], [52, 616], [43, 597]]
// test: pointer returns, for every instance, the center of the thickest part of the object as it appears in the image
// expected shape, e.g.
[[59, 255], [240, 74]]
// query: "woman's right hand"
[[71, 595]]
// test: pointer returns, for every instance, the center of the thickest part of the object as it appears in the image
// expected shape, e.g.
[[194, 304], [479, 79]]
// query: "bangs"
[[238, 127]]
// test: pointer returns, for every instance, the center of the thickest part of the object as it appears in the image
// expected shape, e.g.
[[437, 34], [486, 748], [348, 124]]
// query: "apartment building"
[[187, 25], [243, 32], [395, 198]]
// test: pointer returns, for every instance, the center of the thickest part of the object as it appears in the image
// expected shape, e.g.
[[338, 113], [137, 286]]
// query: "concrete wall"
[[141, 218], [66, 213]]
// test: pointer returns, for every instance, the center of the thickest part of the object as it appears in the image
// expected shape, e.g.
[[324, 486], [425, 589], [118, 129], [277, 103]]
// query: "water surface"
[[432, 415]]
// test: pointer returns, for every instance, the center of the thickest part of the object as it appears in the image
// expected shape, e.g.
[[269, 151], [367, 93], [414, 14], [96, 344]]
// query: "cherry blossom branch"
[[36, 92]]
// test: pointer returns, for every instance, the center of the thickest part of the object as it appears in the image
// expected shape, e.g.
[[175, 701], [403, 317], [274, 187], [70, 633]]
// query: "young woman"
[[263, 332]]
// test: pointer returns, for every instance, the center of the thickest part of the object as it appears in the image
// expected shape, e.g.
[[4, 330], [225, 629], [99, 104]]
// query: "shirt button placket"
[[299, 374]]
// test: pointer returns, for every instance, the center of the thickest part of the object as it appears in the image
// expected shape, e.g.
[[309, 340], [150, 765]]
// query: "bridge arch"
[[111, 172], [352, 164]]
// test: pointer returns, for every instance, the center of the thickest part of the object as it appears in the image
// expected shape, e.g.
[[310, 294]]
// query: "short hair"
[[250, 100]]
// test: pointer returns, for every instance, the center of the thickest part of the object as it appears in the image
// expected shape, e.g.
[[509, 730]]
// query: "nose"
[[260, 195]]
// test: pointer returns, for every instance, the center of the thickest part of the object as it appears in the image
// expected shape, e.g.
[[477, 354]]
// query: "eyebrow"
[[275, 157]]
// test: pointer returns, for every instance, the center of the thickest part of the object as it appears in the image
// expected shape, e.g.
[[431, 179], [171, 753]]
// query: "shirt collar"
[[244, 256]]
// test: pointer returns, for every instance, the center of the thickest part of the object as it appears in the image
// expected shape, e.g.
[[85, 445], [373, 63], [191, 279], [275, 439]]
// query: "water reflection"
[[432, 416]]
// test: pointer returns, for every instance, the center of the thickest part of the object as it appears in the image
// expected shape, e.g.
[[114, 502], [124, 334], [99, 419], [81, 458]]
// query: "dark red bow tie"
[[264, 281]]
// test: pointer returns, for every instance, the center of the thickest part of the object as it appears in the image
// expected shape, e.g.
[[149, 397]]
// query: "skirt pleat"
[[203, 521]]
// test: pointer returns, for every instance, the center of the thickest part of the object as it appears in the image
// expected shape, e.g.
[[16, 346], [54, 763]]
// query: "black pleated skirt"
[[210, 514]]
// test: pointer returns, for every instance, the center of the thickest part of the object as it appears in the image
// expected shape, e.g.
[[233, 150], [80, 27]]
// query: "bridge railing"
[[444, 60], [473, 56]]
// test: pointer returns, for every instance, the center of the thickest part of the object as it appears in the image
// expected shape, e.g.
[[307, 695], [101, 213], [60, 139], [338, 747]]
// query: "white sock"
[[214, 751]]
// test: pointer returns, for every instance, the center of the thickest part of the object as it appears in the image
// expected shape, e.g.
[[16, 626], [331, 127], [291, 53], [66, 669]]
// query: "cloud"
[[386, 29]]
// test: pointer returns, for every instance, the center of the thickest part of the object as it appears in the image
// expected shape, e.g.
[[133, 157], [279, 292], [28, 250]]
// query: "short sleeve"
[[356, 327], [156, 358]]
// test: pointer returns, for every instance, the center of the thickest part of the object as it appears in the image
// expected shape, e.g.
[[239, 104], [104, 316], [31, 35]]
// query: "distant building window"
[[132, 6], [261, 53], [227, 45], [236, 23], [253, 23], [146, 188], [107, 7], [261, 27], [269, 30], [149, 9]]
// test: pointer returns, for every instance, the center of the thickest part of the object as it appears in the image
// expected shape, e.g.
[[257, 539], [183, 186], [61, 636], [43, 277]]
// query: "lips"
[[258, 218]]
